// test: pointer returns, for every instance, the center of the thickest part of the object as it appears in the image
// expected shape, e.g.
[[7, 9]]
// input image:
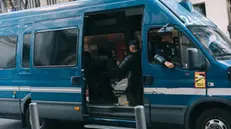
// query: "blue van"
[[55, 56]]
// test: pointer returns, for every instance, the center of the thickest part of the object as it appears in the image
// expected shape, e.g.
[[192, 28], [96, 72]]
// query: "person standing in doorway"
[[131, 67]]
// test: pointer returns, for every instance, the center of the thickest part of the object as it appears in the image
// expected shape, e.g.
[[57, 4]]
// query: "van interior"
[[106, 35]]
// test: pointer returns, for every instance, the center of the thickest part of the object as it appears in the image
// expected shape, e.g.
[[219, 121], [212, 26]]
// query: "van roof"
[[87, 6], [81, 4]]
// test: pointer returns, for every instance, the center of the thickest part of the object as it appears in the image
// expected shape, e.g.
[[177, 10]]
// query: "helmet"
[[165, 30]]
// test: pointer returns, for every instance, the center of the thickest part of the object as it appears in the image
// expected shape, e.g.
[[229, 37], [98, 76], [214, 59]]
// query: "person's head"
[[166, 33], [167, 37], [133, 46]]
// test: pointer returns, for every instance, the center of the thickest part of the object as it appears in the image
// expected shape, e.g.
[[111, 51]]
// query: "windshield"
[[214, 41]]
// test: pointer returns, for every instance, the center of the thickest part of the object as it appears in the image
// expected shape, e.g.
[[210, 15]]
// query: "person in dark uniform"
[[165, 50], [131, 67]]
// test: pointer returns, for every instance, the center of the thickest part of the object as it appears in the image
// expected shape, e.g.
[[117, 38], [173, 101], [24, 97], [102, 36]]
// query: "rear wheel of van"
[[27, 116], [214, 119]]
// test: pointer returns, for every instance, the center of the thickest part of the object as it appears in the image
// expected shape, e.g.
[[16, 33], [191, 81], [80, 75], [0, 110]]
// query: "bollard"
[[34, 116], [140, 117]]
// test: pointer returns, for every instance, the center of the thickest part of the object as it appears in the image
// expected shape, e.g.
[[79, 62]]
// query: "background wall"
[[216, 11]]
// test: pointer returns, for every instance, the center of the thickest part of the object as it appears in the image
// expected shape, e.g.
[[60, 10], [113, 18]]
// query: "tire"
[[27, 117], [214, 119]]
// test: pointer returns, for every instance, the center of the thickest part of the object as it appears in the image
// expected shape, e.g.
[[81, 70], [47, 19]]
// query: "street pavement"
[[16, 124]]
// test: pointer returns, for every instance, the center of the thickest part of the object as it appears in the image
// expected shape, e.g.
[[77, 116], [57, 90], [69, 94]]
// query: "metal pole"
[[34, 116], [140, 117]]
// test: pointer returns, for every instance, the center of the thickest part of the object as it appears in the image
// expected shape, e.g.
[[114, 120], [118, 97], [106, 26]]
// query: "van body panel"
[[9, 81], [166, 98], [52, 88]]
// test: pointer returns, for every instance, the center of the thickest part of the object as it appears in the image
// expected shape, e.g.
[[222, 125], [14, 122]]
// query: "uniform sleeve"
[[158, 56], [124, 66]]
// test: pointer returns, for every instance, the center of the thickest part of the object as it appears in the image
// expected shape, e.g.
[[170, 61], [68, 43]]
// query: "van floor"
[[103, 100]]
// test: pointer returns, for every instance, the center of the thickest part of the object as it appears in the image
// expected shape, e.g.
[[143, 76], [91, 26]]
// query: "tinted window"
[[56, 48], [8, 51], [26, 50]]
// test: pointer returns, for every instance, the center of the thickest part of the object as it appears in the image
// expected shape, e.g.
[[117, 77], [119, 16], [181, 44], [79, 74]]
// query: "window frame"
[[184, 34], [57, 29], [31, 35]]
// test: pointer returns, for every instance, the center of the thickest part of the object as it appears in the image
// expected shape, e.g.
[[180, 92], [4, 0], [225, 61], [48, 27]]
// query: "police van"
[[55, 56]]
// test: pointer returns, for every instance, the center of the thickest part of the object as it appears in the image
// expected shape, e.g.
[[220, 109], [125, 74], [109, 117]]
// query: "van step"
[[110, 120], [111, 111], [92, 126]]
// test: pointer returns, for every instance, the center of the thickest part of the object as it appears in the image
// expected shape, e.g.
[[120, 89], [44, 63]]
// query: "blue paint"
[[23, 94], [62, 97], [8, 94], [189, 17], [71, 14], [170, 100]]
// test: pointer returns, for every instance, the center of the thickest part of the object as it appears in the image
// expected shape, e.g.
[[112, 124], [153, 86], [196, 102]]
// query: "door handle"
[[148, 80], [24, 73], [75, 80], [82, 72]]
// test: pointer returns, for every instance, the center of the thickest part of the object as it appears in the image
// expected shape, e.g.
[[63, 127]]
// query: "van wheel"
[[27, 116], [214, 119]]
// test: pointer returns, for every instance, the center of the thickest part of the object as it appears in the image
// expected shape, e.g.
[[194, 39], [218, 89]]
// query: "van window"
[[8, 47], [178, 41], [56, 48], [26, 50]]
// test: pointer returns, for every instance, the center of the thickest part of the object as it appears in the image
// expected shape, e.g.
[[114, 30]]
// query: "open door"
[[170, 89], [100, 41]]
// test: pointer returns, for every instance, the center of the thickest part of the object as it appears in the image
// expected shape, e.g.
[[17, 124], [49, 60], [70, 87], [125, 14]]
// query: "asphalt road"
[[16, 124]]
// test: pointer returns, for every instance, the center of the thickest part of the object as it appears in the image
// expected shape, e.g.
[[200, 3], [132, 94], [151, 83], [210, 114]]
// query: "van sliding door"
[[57, 68]]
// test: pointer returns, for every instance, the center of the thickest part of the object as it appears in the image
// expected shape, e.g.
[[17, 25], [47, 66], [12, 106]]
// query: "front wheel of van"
[[214, 119], [27, 116]]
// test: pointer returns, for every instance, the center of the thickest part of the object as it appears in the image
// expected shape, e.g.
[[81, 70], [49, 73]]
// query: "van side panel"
[[9, 81], [52, 87]]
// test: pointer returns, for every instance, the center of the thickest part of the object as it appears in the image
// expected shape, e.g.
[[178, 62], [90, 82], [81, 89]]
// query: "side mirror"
[[195, 59]]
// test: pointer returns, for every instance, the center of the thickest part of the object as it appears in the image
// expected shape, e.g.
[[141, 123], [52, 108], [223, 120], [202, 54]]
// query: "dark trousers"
[[134, 96]]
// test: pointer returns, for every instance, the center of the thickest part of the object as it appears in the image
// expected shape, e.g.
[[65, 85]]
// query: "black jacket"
[[164, 51], [131, 67]]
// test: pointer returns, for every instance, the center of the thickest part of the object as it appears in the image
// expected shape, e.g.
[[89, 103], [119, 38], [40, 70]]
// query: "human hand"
[[169, 64]]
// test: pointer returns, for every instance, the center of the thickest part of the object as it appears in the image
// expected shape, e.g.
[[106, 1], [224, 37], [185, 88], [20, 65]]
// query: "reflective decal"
[[200, 80]]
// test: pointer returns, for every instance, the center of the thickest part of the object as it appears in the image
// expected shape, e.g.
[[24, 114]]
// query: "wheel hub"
[[215, 124]]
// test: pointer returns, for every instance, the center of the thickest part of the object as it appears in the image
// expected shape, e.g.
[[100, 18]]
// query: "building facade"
[[217, 11], [14, 5]]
